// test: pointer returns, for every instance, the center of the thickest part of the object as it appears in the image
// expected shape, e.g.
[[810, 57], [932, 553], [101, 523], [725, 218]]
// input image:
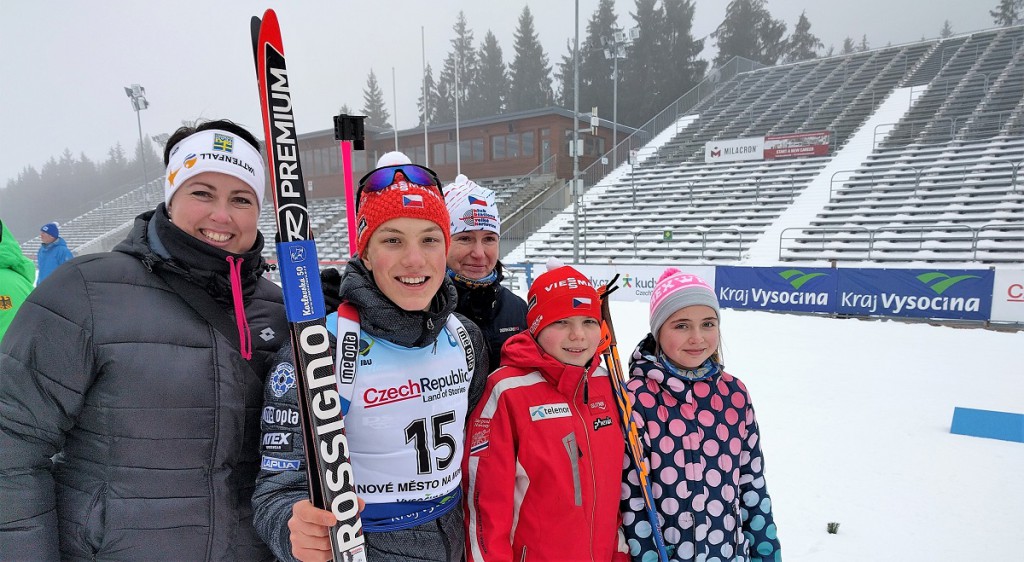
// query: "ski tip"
[[254, 32]]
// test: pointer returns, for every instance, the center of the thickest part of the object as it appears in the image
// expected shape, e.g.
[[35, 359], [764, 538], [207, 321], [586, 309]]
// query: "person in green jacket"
[[17, 277]]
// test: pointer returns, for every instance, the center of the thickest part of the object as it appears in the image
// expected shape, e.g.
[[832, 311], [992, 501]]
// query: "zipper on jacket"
[[572, 448], [590, 453]]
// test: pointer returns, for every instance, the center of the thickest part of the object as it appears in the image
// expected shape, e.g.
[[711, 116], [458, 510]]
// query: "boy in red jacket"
[[543, 467]]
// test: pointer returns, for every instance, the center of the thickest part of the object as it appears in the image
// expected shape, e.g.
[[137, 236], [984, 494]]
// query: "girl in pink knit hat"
[[699, 436]]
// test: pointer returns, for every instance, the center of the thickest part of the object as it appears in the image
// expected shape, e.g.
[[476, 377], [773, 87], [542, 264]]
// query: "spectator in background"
[[131, 383], [474, 267], [16, 276], [53, 252]]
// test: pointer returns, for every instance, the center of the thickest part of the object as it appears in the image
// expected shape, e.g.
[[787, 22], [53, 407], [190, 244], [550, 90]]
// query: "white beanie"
[[218, 151], [471, 207], [393, 158]]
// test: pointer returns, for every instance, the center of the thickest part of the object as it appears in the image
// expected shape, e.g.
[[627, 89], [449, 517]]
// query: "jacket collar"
[[157, 242], [523, 352], [383, 319]]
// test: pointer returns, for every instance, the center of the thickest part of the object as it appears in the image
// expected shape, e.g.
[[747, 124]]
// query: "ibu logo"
[[797, 278], [940, 282]]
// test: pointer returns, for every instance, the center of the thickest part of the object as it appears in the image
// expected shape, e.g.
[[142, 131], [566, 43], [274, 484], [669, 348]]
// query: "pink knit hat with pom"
[[676, 290]]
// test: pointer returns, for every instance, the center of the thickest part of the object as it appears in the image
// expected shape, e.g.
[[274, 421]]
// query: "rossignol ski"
[[610, 351], [327, 453]]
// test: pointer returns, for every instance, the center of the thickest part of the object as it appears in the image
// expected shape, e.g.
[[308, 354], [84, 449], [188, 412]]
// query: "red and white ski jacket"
[[543, 465]]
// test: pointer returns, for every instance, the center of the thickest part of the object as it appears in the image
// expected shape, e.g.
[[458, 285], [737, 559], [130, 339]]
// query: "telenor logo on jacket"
[[550, 411]]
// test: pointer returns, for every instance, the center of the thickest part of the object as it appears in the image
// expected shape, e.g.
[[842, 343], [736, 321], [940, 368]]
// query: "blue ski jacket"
[[50, 256]]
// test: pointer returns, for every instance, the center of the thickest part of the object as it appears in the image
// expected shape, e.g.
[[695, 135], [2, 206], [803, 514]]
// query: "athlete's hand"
[[310, 531]]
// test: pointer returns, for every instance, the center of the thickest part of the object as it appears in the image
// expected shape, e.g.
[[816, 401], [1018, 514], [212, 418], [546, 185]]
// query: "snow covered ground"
[[855, 420]]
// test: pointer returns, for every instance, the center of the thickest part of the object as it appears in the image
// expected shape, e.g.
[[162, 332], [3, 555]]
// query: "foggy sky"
[[66, 62]]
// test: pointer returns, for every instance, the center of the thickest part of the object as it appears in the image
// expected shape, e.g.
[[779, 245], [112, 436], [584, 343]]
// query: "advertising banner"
[[777, 288], [814, 143], [734, 150], [1008, 296], [964, 294], [636, 282]]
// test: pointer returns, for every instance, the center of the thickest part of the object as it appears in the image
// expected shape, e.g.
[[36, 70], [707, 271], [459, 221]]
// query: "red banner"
[[797, 144]]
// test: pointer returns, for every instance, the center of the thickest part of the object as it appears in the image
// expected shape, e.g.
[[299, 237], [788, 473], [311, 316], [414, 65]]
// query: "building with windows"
[[493, 150]]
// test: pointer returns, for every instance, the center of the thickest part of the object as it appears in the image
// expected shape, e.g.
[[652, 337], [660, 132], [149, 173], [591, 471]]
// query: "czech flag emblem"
[[580, 302]]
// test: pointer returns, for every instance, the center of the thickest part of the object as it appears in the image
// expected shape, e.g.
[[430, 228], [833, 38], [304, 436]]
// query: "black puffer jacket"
[[150, 415], [498, 312], [441, 540]]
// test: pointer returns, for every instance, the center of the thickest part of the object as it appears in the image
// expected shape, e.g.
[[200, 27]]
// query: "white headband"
[[471, 207], [218, 151]]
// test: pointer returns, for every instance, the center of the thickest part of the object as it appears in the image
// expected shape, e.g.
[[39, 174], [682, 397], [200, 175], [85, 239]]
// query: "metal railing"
[[679, 237], [974, 235]]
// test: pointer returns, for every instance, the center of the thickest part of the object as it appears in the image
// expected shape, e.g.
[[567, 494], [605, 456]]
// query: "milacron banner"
[[734, 150], [815, 143]]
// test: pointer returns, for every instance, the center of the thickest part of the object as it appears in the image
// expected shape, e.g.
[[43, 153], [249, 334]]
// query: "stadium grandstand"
[[908, 153]]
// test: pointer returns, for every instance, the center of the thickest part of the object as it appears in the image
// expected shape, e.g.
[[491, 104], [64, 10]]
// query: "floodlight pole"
[[615, 109], [138, 96], [576, 139]]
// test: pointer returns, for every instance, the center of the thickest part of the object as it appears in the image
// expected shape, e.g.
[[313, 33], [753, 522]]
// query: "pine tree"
[[640, 82], [487, 92], [345, 109], [564, 77], [682, 68], [595, 64], [848, 47], [802, 45], [749, 31], [947, 30], [864, 47], [373, 103], [428, 92], [461, 59], [1007, 12], [530, 72]]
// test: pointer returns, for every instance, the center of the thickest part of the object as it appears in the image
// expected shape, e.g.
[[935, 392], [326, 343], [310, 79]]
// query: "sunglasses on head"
[[383, 178]]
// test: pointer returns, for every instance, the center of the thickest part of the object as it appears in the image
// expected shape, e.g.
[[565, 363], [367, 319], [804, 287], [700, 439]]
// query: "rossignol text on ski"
[[327, 452]]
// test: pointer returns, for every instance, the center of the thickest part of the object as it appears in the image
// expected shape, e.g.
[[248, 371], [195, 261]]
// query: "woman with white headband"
[[131, 383]]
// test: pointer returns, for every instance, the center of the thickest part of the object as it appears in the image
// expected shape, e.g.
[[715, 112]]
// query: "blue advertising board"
[[958, 294], [788, 289]]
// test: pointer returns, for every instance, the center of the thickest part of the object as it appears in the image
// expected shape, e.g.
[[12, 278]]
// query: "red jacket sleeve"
[[489, 480]]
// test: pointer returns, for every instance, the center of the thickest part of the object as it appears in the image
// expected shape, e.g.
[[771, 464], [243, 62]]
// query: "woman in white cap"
[[139, 372], [474, 267]]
